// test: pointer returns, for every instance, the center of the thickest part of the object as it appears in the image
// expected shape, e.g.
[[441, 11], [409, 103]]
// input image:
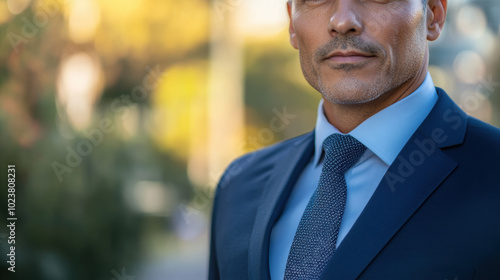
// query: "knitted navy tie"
[[316, 236]]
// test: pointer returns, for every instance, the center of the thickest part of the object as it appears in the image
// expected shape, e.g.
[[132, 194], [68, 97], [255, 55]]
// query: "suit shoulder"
[[257, 162], [479, 132], [480, 148]]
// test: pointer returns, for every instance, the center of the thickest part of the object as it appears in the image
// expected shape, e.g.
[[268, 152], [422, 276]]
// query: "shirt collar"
[[386, 132]]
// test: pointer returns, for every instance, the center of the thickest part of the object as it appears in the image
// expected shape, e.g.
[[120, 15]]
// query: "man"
[[394, 182]]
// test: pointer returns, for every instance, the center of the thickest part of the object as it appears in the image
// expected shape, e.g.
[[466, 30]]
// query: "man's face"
[[353, 51]]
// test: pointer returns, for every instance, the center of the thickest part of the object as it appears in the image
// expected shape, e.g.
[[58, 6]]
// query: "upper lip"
[[347, 53]]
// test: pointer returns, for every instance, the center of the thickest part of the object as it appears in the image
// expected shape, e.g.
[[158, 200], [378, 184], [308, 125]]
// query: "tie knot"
[[341, 152]]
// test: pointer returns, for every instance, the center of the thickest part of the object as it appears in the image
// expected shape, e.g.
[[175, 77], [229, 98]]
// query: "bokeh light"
[[17, 6], [79, 88], [261, 18], [469, 66], [84, 18], [471, 21]]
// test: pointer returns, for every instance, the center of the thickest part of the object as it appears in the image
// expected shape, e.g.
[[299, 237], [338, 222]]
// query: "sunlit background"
[[120, 116]]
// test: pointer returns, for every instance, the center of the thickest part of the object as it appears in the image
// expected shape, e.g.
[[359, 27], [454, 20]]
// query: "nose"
[[345, 19]]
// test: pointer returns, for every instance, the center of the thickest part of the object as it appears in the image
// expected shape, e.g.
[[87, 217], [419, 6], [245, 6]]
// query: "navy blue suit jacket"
[[434, 215]]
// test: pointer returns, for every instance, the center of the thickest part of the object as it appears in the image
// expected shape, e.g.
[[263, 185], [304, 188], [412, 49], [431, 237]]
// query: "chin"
[[349, 93], [348, 100]]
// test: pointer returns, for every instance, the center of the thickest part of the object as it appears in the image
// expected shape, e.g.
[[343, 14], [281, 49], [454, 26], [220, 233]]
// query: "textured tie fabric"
[[316, 236]]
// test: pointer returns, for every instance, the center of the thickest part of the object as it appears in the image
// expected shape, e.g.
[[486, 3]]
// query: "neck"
[[346, 117]]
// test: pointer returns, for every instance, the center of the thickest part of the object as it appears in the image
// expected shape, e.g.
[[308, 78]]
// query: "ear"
[[436, 15], [293, 36]]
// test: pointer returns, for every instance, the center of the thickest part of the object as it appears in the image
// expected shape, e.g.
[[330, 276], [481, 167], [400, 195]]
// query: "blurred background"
[[120, 117]]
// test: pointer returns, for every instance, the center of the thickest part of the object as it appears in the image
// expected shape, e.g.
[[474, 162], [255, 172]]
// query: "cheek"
[[311, 32], [406, 40], [307, 46], [304, 40]]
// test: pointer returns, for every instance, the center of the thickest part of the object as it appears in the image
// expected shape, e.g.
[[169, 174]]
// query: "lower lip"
[[349, 59]]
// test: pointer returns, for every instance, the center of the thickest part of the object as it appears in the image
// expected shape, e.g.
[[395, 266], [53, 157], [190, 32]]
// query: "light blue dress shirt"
[[384, 134]]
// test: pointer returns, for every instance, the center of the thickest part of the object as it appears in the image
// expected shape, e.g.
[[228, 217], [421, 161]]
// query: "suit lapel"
[[419, 169], [276, 192]]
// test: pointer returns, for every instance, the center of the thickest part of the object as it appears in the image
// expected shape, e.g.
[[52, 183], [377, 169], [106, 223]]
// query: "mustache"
[[347, 42]]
